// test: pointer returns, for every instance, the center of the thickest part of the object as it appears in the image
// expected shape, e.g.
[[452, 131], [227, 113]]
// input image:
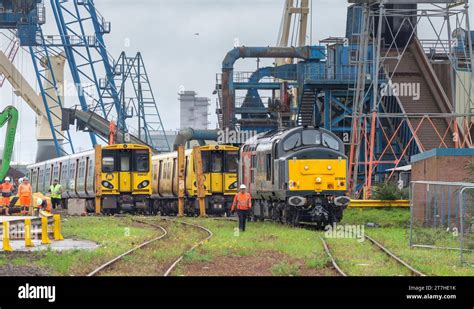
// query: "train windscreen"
[[125, 160], [231, 161]]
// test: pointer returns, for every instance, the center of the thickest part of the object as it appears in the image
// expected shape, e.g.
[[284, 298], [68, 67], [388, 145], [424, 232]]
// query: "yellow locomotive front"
[[297, 175], [125, 177]]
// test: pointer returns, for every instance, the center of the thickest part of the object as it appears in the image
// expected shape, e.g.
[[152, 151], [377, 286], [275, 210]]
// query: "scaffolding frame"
[[373, 146]]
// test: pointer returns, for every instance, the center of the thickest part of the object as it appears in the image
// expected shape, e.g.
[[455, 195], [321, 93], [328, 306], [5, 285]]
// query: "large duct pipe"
[[228, 106], [284, 72], [189, 134]]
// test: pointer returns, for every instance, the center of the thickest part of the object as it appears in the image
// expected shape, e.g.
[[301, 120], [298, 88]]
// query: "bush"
[[389, 192]]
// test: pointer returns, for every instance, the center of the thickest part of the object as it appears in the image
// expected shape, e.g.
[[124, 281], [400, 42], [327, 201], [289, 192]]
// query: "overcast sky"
[[164, 31]]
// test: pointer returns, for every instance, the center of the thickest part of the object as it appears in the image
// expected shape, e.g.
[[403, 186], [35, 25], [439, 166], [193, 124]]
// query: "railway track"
[[175, 263], [200, 243], [105, 266], [380, 247]]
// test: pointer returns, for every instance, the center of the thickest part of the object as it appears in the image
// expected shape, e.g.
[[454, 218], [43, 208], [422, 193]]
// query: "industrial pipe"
[[189, 134], [228, 106]]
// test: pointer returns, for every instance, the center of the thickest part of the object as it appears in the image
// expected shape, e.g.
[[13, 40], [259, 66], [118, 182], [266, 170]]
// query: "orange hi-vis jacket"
[[25, 190], [242, 201], [7, 189]]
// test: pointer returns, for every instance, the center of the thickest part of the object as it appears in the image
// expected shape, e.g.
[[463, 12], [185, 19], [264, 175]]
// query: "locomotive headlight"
[[143, 184], [233, 186], [319, 180], [306, 168], [107, 185], [329, 167]]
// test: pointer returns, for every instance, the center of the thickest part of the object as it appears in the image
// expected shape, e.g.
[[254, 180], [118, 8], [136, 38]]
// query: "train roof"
[[203, 148], [271, 136]]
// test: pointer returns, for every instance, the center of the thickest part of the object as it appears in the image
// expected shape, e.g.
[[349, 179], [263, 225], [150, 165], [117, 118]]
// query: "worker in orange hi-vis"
[[7, 191], [25, 192], [243, 204]]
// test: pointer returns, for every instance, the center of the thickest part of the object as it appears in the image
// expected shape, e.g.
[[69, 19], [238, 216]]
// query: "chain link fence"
[[442, 217]]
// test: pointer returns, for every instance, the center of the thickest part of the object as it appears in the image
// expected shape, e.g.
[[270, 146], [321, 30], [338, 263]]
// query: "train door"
[[174, 178], [231, 167], [216, 171], [125, 171]]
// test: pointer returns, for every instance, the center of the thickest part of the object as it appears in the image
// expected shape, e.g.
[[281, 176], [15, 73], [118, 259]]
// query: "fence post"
[[44, 231], [57, 228], [6, 237], [28, 241]]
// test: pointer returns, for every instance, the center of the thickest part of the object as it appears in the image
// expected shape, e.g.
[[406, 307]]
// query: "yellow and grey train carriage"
[[123, 174], [297, 175], [220, 164]]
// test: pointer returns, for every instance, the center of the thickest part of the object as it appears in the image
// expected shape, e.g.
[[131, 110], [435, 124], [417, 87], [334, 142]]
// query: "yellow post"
[[200, 181], [44, 232], [57, 228], [28, 241], [181, 181], [6, 237], [98, 179]]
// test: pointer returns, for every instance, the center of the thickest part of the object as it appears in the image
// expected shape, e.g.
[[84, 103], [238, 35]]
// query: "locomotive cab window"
[[292, 142], [311, 138], [205, 156], [108, 163], [330, 142], [231, 161], [141, 161]]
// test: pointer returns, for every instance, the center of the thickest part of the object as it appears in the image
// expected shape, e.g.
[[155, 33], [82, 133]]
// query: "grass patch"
[[261, 238], [285, 269], [194, 256], [113, 235], [384, 217], [429, 261]]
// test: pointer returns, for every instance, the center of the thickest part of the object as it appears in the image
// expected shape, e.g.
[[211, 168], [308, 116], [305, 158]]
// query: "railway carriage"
[[124, 177], [220, 164]]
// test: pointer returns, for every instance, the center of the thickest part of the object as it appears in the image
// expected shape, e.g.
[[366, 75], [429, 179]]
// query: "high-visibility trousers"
[[5, 201], [25, 200]]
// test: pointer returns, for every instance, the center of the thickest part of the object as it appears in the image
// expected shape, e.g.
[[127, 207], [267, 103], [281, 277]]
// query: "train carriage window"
[[34, 180], [82, 169], [72, 171], [311, 137], [253, 164], [56, 172], [141, 161], [90, 173], [217, 162], [330, 142], [292, 142], [64, 172], [268, 165], [231, 161], [48, 176]]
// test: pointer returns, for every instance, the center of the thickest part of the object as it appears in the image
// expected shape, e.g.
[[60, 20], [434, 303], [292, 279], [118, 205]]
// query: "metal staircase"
[[307, 107]]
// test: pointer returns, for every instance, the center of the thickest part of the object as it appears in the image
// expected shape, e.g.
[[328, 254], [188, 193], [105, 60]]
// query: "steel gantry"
[[99, 80]]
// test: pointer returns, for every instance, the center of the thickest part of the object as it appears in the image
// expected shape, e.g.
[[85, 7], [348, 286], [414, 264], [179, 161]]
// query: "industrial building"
[[194, 110]]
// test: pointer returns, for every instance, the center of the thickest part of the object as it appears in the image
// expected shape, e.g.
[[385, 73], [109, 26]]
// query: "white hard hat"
[[20, 180], [8, 179], [39, 201], [243, 187]]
